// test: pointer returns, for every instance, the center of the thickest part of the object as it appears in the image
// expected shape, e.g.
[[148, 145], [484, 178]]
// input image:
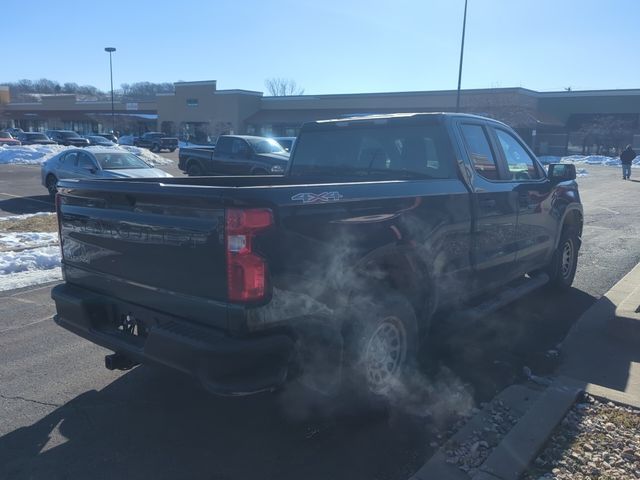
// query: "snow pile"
[[42, 258], [147, 155], [28, 258], [37, 154], [125, 140], [582, 172], [29, 154], [586, 160], [24, 240], [26, 215]]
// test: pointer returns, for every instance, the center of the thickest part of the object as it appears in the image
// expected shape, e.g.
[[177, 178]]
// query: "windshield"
[[266, 145], [119, 161]]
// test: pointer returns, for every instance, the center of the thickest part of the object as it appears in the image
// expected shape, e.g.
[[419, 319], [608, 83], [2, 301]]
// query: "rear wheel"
[[562, 268], [172, 150], [52, 185], [382, 343], [194, 170]]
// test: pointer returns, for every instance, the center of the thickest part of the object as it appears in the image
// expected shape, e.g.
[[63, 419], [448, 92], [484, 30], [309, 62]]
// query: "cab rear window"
[[379, 151]]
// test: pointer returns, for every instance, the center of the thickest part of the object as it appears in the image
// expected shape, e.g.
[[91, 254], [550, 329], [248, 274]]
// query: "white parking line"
[[26, 198]]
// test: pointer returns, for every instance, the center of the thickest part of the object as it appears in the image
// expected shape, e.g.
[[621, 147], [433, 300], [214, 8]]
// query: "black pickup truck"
[[235, 155], [156, 141], [331, 271]]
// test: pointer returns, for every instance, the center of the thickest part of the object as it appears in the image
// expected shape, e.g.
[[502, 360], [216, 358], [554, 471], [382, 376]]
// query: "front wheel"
[[52, 185], [562, 269], [172, 150], [155, 148]]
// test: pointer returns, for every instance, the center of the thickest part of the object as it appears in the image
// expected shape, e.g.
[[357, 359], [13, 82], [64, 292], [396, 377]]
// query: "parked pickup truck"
[[156, 141], [235, 155], [331, 272]]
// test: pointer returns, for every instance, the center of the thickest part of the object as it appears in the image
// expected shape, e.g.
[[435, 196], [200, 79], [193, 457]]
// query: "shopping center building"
[[555, 123]]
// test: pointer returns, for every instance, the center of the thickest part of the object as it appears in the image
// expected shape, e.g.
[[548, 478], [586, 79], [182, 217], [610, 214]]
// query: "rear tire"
[[52, 185], [381, 343], [172, 150], [194, 170], [563, 265]]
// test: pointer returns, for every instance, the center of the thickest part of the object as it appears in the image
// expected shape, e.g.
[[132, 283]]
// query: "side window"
[[239, 147], [480, 151], [85, 161], [521, 165], [224, 145], [70, 159]]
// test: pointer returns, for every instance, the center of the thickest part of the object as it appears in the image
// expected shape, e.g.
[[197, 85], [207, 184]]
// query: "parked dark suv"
[[67, 137]]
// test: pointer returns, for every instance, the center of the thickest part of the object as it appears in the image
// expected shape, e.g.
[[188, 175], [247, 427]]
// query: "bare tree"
[[281, 87]]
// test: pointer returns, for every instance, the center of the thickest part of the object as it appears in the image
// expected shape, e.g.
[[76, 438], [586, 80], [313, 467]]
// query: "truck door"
[[536, 227], [495, 207]]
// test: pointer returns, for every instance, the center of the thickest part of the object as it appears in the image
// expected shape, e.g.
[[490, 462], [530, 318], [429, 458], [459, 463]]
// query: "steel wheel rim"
[[567, 259], [385, 354]]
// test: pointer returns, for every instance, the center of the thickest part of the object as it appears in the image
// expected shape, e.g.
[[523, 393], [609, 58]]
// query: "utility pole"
[[113, 114], [464, 25]]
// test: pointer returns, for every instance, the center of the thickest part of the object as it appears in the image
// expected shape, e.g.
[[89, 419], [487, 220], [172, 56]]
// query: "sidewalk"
[[603, 348]]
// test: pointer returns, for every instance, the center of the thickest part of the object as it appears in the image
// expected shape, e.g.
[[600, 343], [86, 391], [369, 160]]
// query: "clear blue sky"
[[327, 46]]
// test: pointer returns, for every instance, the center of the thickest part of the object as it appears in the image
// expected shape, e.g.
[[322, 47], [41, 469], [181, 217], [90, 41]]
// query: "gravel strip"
[[595, 441], [469, 454]]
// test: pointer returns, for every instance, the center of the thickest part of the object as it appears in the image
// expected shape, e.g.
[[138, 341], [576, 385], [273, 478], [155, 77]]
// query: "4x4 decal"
[[323, 197]]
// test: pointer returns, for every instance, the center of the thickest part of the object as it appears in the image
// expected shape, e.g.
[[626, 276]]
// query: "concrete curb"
[[525, 440]]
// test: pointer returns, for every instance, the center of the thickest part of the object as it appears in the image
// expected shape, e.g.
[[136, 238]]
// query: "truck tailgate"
[[151, 244]]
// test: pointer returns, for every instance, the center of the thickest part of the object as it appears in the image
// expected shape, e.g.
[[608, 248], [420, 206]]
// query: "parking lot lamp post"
[[113, 115], [464, 24]]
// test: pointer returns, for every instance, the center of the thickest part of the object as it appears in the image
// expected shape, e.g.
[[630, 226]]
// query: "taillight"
[[246, 270]]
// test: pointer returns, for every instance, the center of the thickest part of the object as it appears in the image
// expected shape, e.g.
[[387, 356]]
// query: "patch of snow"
[[26, 215], [29, 278], [147, 155], [37, 154], [125, 140], [29, 154], [43, 258], [582, 172], [19, 240]]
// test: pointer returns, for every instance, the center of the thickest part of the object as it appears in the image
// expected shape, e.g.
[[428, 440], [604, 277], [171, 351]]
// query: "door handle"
[[488, 203]]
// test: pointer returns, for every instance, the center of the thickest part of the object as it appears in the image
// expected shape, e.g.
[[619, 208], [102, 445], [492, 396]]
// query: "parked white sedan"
[[95, 163]]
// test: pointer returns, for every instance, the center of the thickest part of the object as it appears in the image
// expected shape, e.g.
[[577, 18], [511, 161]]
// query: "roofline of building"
[[239, 91], [525, 91], [198, 82]]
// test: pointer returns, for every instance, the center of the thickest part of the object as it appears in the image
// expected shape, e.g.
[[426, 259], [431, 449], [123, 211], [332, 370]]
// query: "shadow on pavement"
[[492, 354], [22, 205], [156, 424]]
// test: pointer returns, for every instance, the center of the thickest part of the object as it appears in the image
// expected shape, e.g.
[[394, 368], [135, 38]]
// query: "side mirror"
[[561, 172]]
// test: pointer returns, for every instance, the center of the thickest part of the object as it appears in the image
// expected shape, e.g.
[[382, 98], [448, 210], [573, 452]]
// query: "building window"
[[192, 102]]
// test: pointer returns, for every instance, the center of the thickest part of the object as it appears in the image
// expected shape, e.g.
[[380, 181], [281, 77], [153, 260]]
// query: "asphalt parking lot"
[[62, 415]]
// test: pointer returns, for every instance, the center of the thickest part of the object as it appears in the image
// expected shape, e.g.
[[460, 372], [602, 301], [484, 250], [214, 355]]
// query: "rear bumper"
[[223, 364]]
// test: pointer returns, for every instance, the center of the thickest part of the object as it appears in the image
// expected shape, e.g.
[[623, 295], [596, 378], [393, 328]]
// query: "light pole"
[[113, 115], [464, 25]]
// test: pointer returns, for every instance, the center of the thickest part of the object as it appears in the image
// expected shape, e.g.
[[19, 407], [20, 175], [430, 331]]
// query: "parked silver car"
[[96, 163]]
